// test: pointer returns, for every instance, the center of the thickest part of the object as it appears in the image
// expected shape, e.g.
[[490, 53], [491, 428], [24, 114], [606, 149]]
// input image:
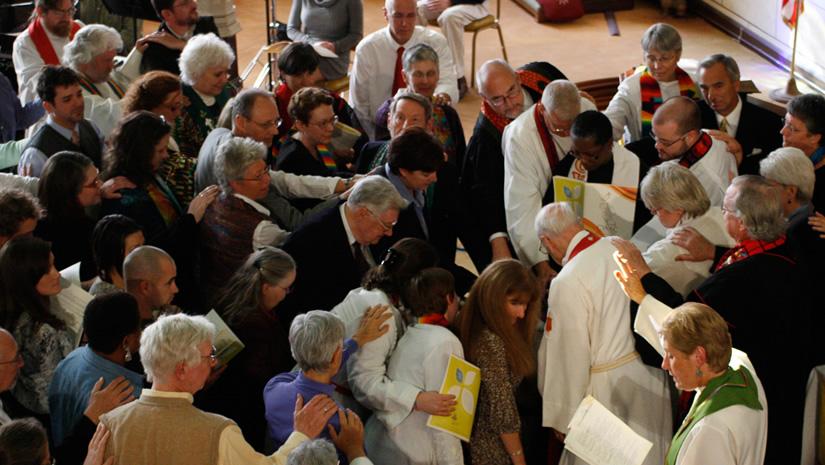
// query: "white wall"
[[763, 18]]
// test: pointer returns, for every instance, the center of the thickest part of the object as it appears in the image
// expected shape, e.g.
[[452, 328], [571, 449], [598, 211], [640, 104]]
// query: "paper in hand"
[[323, 51], [599, 437]]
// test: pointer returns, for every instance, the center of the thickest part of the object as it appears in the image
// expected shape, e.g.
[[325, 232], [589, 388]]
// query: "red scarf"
[[43, 44], [652, 95], [583, 244], [282, 96], [745, 249], [437, 319], [699, 150], [532, 80], [546, 139]]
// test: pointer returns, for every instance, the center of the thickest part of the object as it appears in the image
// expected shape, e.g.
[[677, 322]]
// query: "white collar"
[[260, 208], [572, 245], [209, 100], [733, 117], [350, 236], [166, 394]]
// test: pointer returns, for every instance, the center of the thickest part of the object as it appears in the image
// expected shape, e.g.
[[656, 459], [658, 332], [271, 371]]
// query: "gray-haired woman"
[[678, 200], [728, 421], [204, 67], [319, 348], [645, 88]]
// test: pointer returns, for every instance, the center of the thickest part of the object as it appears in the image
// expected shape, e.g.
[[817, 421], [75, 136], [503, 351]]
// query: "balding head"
[[10, 360], [500, 87], [680, 110], [144, 262], [401, 18], [149, 274]]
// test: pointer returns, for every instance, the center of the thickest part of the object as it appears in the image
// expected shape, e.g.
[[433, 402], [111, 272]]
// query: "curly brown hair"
[[305, 100], [149, 91]]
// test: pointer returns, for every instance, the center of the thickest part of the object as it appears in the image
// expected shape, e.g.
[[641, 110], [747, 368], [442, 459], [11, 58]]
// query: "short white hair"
[[314, 337], [89, 42], [376, 194], [556, 218], [171, 340], [562, 97], [790, 167], [235, 155], [314, 452], [202, 52]]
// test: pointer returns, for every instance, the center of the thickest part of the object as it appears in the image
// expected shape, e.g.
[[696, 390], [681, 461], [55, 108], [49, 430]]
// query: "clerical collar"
[[185, 37], [208, 100]]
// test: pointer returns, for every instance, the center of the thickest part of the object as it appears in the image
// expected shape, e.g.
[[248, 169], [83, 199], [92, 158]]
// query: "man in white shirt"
[[42, 43], [679, 139], [377, 70], [533, 144], [588, 346], [91, 54]]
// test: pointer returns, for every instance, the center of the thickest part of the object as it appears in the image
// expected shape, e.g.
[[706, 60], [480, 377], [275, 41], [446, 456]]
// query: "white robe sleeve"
[[707, 444], [390, 400], [27, 65], [447, 447], [524, 187], [622, 109], [565, 358], [649, 319], [302, 187], [104, 112]]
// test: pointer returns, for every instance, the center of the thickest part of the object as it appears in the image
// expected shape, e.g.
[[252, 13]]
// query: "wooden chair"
[[267, 59], [481, 24]]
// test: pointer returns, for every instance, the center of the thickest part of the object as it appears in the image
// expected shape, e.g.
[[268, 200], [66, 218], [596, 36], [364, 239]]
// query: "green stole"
[[734, 387]]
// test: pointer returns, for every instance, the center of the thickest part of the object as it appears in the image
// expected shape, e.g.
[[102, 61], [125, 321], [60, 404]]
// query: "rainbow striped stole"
[[326, 157], [652, 95]]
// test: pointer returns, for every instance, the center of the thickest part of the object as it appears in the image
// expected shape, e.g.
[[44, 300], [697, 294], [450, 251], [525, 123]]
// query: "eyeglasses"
[[385, 226], [665, 143], [511, 94], [790, 127], [258, 177], [93, 185], [325, 123], [213, 356], [271, 124], [17, 359], [653, 59]]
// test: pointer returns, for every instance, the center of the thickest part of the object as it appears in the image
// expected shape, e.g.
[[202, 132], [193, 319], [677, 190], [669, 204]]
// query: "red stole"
[[546, 139], [282, 96], [43, 44], [437, 319], [583, 244], [745, 249], [699, 150]]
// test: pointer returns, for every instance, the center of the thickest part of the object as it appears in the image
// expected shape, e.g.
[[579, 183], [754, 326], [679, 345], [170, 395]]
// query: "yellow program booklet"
[[462, 379]]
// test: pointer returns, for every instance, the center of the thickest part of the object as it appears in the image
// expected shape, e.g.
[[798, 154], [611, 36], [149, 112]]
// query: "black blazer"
[[758, 129], [326, 267], [158, 57]]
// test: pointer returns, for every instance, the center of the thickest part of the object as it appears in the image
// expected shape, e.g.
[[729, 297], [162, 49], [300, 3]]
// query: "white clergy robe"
[[420, 359], [588, 348], [735, 435], [715, 171], [527, 175], [105, 110]]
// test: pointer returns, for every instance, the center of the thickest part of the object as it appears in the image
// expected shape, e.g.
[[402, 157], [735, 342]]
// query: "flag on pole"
[[791, 12]]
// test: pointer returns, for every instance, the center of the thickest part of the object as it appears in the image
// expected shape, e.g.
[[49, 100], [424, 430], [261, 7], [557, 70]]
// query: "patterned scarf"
[[699, 150], [437, 319], [441, 130], [90, 87], [530, 79], [652, 95], [326, 157], [42, 43], [164, 201], [747, 248], [380, 156]]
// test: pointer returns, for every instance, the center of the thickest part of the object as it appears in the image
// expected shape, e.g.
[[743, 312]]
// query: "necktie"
[[360, 259], [723, 126], [75, 137], [398, 77]]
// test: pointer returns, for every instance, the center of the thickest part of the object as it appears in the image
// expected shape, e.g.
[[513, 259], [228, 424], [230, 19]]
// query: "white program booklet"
[[599, 437]]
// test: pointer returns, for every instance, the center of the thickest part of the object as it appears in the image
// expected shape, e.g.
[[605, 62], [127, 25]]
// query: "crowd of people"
[[154, 197]]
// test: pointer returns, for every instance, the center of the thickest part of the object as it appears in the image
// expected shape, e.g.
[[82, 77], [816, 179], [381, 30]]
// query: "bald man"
[[10, 364], [377, 70], [679, 139], [505, 94], [149, 274]]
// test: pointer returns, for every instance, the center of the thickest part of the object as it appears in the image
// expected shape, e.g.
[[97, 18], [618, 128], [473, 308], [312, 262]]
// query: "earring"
[[127, 357], [699, 373]]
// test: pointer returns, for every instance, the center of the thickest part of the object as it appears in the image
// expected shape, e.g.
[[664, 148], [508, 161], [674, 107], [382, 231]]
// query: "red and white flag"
[[790, 12]]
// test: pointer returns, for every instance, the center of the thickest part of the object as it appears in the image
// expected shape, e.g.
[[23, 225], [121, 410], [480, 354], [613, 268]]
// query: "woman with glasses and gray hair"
[[318, 346], [674, 195], [420, 71], [646, 87], [365, 385], [204, 70]]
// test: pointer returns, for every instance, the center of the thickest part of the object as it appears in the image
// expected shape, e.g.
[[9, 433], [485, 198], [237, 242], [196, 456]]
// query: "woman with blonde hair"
[[497, 327]]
